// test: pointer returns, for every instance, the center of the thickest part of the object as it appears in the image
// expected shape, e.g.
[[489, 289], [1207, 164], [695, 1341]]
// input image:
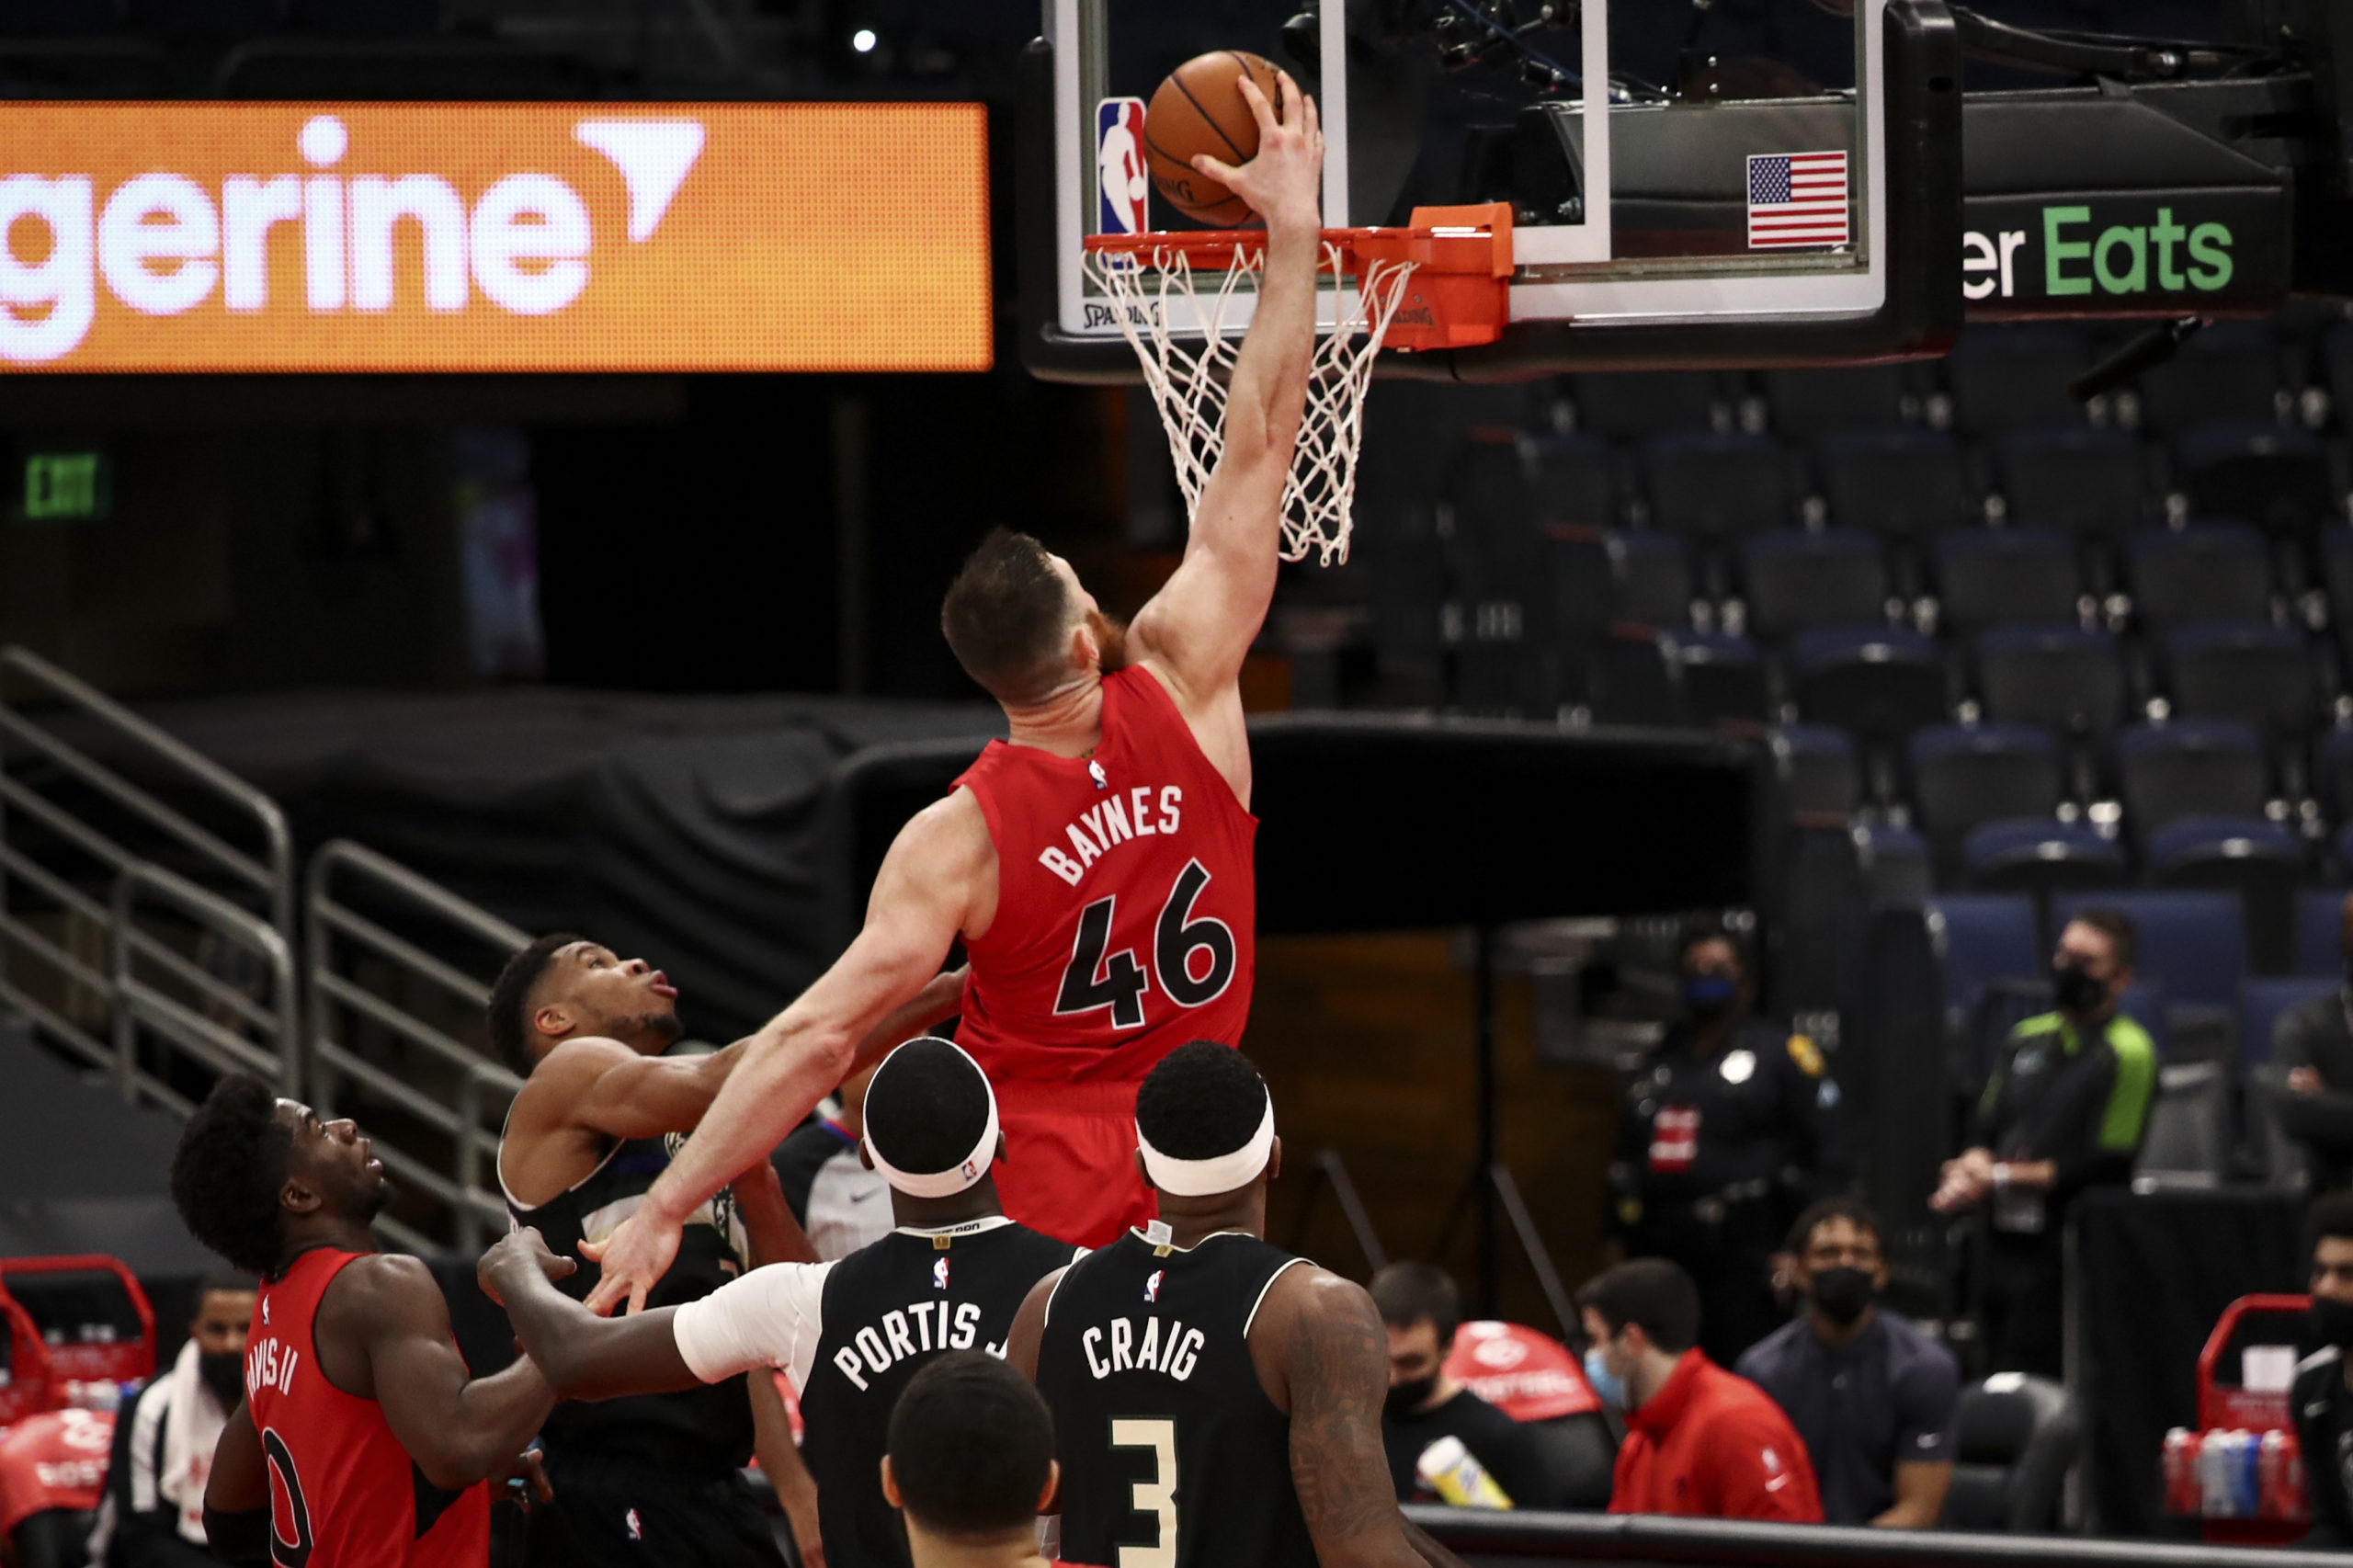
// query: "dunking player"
[[658, 1479], [361, 1442], [1216, 1402], [1097, 866], [849, 1333]]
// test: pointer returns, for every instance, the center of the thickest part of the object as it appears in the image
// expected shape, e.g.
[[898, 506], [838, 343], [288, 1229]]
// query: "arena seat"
[[2193, 944], [1717, 488], [2004, 578], [2085, 482], [1580, 1456], [1877, 683], [1721, 676], [2336, 577], [1982, 937], [2332, 773], [1895, 864], [1581, 565], [2229, 372], [1655, 585], [1576, 480], [1899, 485], [1634, 404], [2179, 577], [1795, 582], [2273, 475], [2065, 678], [2188, 1142], [2259, 861], [1813, 400], [2040, 856], [2008, 378], [1631, 679], [1817, 769], [2262, 1001], [2248, 670], [1964, 776], [2189, 769], [2319, 918], [2336, 361]]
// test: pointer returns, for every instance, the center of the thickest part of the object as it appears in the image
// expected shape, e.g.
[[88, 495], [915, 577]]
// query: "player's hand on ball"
[[524, 1248], [1284, 182], [633, 1257]]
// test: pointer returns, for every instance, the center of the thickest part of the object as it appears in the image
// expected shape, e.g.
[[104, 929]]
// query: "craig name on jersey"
[[1118, 818], [1119, 1345], [917, 1328]]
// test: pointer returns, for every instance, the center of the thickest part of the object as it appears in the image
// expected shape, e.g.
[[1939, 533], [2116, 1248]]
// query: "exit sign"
[[61, 486]]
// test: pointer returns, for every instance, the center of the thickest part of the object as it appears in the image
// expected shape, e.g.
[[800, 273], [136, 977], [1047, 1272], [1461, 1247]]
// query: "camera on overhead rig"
[[1462, 33]]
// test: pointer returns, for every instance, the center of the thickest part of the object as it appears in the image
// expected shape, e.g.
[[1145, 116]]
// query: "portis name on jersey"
[[1116, 819], [1173, 1354], [922, 1328]]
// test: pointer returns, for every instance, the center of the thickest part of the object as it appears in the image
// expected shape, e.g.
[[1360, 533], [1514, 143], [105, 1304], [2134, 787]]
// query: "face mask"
[[1709, 995], [224, 1374], [2332, 1322], [2075, 989], [1408, 1397], [1843, 1294], [1605, 1382]]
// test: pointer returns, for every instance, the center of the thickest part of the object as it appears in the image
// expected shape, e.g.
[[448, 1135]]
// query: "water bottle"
[[1450, 1470]]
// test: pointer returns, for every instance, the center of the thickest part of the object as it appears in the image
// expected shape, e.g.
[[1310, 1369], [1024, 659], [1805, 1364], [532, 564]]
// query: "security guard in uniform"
[[1729, 1131], [2066, 1108]]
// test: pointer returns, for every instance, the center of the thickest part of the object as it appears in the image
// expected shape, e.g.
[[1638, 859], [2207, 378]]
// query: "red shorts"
[[1070, 1161]]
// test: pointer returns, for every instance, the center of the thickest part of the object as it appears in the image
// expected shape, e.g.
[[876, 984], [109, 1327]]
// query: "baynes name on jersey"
[[1140, 813]]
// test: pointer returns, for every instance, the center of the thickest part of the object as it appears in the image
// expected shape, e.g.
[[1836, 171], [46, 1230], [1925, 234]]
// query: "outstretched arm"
[[581, 1355], [1330, 1356], [923, 896], [457, 1428], [1195, 631]]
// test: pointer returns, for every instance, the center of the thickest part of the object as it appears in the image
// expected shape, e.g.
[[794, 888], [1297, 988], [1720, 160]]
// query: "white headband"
[[1205, 1178], [957, 1178]]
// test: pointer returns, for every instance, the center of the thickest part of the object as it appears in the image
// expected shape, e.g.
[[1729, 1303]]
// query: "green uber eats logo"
[[2163, 258], [2125, 260]]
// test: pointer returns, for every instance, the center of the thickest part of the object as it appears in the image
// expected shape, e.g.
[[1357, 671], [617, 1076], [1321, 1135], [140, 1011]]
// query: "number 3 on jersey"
[[1156, 1497], [1118, 980]]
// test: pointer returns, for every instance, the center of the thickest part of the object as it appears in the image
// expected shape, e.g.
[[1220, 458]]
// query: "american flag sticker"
[[1797, 198]]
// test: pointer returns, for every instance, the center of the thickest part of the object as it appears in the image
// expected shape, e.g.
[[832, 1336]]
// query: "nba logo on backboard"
[[1119, 167]]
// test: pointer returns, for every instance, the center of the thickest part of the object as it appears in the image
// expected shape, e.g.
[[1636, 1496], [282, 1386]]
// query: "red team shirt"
[[1125, 927], [343, 1493]]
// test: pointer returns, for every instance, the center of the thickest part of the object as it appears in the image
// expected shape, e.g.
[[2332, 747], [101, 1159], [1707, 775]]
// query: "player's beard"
[[1110, 642]]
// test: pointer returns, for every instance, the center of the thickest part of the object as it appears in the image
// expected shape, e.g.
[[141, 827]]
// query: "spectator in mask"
[[152, 1514], [1873, 1397], [2065, 1109], [2321, 1403], [1730, 1127], [1700, 1440], [1421, 1309], [2311, 1048]]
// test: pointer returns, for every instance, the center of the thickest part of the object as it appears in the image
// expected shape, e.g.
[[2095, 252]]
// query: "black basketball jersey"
[[705, 1431], [886, 1310], [1172, 1454]]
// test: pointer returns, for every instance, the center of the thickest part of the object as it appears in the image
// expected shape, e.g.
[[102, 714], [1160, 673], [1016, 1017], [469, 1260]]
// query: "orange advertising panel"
[[370, 236]]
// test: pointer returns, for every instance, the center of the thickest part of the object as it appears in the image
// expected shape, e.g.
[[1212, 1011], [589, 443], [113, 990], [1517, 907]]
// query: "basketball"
[[1199, 109]]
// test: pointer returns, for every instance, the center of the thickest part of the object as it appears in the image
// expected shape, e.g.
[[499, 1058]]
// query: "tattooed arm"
[[1323, 1359]]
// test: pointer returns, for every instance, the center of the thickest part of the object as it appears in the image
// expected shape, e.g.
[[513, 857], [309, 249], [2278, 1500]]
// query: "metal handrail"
[[138, 1004], [473, 1205], [272, 874]]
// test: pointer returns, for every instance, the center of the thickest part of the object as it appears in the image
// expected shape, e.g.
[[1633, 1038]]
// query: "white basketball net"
[[1153, 294]]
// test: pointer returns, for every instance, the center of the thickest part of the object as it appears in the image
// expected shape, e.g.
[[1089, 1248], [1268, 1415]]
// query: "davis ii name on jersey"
[[1116, 819]]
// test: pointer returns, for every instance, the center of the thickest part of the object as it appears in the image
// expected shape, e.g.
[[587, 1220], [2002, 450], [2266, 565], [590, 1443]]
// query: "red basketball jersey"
[[341, 1490], [1126, 906]]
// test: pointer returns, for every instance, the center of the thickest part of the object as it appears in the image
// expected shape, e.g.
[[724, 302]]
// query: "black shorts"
[[620, 1513]]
